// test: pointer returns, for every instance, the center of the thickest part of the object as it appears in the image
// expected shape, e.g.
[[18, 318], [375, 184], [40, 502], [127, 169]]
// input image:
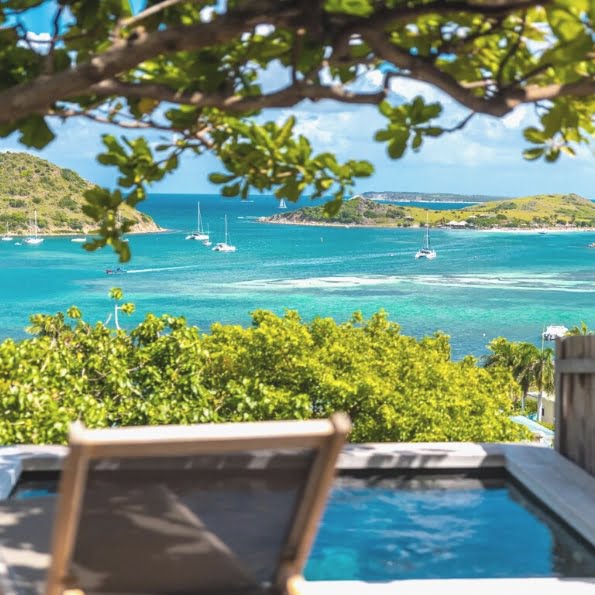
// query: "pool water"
[[391, 527], [379, 533]]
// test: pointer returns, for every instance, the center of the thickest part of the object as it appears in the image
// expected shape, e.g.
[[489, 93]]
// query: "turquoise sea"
[[482, 285]]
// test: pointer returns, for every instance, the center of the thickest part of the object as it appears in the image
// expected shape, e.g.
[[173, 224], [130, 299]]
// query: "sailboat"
[[199, 234], [426, 251], [282, 204], [7, 237], [224, 246], [33, 239]]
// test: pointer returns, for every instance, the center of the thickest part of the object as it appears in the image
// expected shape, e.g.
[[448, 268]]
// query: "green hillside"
[[546, 210], [29, 184]]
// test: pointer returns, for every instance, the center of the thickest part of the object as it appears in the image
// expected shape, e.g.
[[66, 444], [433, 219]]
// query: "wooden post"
[[575, 400]]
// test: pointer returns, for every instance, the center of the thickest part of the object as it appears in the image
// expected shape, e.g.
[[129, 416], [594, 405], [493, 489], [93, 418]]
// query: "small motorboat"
[[554, 331], [116, 271]]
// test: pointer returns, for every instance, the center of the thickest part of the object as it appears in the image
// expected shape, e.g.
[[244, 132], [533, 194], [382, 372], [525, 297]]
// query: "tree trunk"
[[524, 399], [539, 405]]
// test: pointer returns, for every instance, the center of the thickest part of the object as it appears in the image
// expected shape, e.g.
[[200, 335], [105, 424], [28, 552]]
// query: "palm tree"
[[522, 360], [581, 329], [527, 363], [544, 376]]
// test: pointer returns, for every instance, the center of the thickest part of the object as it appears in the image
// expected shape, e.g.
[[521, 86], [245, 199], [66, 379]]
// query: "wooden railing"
[[575, 400]]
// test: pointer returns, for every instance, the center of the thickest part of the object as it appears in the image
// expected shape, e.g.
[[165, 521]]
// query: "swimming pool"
[[387, 529], [392, 526]]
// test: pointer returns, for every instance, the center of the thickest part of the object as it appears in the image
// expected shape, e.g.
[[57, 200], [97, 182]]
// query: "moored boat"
[[33, 239], [224, 246], [426, 250], [199, 234]]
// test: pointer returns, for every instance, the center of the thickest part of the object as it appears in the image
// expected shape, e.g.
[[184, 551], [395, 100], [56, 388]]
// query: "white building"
[[548, 407]]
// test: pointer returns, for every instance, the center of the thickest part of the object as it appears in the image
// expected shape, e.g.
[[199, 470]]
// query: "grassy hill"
[[29, 184], [546, 210]]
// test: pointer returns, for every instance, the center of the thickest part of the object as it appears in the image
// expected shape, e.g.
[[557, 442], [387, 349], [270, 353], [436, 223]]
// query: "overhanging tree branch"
[[287, 97], [423, 70], [211, 74], [40, 94]]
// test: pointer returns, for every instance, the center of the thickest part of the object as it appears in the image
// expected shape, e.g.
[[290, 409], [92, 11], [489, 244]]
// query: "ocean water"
[[482, 285]]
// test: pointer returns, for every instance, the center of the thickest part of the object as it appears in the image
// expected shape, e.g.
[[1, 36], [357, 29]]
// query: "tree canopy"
[[394, 387], [192, 69]]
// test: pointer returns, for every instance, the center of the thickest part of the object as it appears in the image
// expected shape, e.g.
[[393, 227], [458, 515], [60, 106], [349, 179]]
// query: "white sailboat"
[[199, 234], [224, 246], [33, 239], [7, 237], [426, 250], [282, 204]]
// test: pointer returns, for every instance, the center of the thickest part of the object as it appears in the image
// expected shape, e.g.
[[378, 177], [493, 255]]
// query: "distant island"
[[429, 197], [29, 184], [540, 212]]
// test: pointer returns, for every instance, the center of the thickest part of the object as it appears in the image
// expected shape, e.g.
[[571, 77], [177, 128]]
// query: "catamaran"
[[282, 204], [33, 238], [199, 234], [224, 246], [7, 237], [426, 250]]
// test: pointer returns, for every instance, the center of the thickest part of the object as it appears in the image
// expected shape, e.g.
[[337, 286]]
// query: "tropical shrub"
[[394, 387]]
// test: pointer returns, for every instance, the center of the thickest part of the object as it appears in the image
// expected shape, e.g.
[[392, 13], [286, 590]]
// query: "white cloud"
[[518, 118]]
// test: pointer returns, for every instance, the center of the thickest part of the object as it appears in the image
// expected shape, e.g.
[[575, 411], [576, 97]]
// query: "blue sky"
[[484, 158]]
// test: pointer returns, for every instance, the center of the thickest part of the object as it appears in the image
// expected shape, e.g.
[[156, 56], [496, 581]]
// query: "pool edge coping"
[[557, 482]]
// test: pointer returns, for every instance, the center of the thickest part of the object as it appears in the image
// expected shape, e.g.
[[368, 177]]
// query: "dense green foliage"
[[29, 184], [194, 71], [394, 387], [538, 211]]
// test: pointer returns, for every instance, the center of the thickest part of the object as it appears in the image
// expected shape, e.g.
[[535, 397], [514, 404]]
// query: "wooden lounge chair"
[[207, 509]]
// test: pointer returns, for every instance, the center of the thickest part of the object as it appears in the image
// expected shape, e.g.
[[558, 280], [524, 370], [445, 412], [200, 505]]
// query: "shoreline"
[[83, 233], [531, 230]]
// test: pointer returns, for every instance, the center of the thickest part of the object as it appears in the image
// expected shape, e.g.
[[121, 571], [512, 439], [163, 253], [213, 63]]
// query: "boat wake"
[[159, 269]]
